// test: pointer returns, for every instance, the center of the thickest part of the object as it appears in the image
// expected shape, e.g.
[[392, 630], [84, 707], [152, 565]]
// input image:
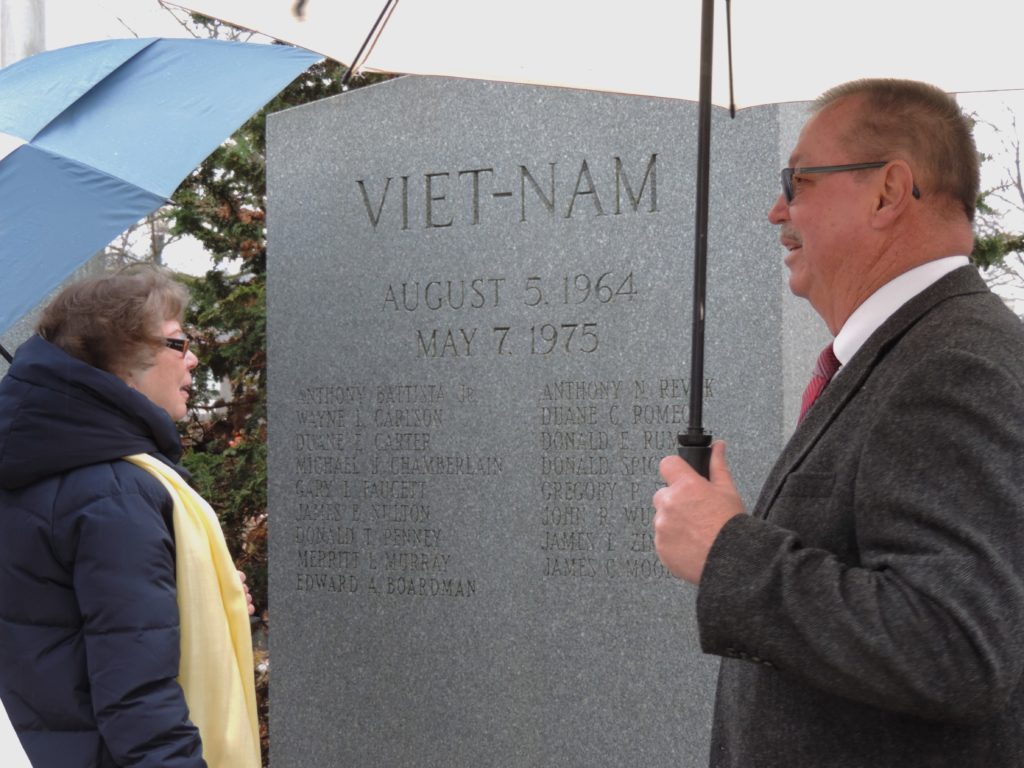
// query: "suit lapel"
[[852, 376]]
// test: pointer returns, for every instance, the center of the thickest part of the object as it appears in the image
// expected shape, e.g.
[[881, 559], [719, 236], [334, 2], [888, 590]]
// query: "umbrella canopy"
[[787, 50], [96, 136], [790, 50]]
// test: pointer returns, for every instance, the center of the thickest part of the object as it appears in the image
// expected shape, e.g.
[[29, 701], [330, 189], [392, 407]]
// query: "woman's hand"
[[248, 597]]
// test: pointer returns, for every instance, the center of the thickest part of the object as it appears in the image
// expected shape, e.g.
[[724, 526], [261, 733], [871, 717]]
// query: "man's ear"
[[895, 193]]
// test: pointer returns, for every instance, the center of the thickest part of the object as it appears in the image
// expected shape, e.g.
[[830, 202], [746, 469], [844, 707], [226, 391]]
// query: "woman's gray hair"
[[113, 321]]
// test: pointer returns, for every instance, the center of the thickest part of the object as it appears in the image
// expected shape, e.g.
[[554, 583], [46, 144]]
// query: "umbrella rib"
[[89, 90], [369, 42], [728, 40]]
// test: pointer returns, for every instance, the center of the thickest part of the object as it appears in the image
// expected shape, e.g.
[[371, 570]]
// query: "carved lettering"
[[460, 196], [432, 198], [622, 181]]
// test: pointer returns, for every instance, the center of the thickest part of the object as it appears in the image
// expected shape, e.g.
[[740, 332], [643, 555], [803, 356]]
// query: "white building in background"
[[22, 29]]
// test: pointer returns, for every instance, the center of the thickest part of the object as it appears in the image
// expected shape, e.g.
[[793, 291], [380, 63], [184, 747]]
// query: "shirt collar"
[[884, 302]]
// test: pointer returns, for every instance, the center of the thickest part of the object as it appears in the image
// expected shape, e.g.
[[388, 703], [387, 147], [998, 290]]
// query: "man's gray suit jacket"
[[871, 608]]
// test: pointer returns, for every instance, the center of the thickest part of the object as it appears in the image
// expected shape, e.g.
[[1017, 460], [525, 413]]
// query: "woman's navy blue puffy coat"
[[89, 644]]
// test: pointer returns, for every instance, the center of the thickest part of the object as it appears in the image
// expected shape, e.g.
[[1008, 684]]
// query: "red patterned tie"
[[824, 370]]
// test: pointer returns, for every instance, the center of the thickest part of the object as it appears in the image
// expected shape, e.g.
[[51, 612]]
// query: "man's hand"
[[690, 511]]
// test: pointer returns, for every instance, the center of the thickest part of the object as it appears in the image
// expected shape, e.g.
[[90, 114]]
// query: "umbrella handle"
[[694, 448]]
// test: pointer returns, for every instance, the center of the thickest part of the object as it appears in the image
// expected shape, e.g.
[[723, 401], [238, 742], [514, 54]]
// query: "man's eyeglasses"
[[789, 173], [179, 345]]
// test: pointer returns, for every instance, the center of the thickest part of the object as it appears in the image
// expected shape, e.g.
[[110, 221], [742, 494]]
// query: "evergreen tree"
[[999, 239], [223, 205]]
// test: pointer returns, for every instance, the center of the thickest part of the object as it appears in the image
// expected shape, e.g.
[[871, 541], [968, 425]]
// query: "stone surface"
[[479, 349]]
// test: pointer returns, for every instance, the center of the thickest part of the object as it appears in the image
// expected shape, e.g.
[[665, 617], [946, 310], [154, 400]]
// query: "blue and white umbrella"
[[95, 137]]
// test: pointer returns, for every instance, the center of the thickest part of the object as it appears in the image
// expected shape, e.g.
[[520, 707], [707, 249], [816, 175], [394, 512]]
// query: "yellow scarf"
[[216, 670]]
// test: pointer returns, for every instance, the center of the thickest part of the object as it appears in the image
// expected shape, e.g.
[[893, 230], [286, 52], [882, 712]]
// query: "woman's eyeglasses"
[[179, 345]]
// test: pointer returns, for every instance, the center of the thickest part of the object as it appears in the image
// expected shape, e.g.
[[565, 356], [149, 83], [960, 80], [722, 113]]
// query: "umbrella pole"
[[6, 354], [371, 38], [694, 445]]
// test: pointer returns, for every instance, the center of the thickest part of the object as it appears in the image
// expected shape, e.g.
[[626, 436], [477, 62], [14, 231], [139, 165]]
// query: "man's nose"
[[780, 211]]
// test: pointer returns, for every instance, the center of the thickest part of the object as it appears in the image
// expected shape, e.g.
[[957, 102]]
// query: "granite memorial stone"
[[478, 340]]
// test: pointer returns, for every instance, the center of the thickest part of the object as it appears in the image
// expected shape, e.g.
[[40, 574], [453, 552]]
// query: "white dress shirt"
[[884, 302]]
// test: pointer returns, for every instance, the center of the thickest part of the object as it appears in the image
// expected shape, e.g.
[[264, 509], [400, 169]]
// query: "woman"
[[91, 647]]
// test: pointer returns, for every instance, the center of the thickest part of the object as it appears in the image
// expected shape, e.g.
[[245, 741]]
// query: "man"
[[870, 609]]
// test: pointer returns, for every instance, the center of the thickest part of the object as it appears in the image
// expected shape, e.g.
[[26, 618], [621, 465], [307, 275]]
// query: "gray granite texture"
[[479, 311]]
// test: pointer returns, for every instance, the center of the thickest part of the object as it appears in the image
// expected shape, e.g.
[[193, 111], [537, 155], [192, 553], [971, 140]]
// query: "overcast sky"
[[77, 21]]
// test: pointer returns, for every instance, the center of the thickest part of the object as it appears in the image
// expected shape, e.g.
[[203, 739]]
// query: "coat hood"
[[58, 413]]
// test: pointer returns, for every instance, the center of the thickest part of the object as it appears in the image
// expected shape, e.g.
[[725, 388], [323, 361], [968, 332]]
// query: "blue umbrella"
[[94, 137]]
